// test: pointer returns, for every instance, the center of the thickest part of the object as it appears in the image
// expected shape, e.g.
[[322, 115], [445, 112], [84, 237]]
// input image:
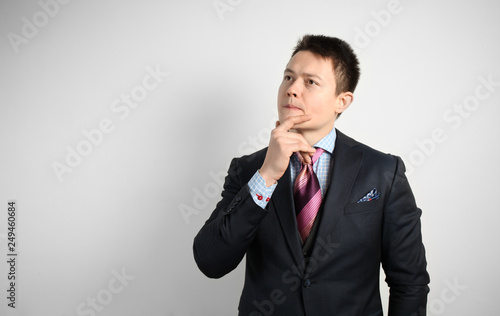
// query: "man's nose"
[[292, 91]]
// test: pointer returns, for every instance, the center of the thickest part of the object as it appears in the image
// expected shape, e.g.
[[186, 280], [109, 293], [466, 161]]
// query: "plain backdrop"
[[118, 120]]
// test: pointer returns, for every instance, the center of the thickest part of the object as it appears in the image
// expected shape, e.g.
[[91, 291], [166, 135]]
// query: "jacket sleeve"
[[223, 240], [403, 253]]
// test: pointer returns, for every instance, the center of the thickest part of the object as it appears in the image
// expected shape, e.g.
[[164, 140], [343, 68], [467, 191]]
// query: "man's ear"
[[343, 101]]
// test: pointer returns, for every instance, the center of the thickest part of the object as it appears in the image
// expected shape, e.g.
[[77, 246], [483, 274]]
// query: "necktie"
[[307, 195]]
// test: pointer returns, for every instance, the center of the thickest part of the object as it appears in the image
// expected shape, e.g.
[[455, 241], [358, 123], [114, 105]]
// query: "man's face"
[[308, 87]]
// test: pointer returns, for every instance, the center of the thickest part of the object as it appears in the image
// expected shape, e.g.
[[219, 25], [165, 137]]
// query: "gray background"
[[135, 200]]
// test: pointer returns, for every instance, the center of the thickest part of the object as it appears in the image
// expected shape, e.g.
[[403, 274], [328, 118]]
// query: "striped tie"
[[307, 195]]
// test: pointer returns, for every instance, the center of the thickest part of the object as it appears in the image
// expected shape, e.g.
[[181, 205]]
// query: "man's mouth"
[[292, 107]]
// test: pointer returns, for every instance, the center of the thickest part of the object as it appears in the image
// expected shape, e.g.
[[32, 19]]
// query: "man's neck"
[[312, 137]]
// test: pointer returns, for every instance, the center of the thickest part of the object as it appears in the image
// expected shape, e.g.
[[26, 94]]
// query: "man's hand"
[[281, 147]]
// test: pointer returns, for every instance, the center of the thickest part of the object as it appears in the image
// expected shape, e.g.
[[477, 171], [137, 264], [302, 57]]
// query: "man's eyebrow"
[[305, 73]]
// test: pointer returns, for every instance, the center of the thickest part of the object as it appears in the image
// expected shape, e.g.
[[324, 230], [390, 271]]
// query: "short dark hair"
[[345, 62]]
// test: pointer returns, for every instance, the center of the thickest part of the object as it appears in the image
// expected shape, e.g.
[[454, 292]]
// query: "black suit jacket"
[[353, 239]]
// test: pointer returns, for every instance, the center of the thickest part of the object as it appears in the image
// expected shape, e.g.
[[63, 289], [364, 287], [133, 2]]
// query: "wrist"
[[267, 178]]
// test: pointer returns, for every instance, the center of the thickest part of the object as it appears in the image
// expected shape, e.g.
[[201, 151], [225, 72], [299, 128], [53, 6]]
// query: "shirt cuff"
[[261, 194]]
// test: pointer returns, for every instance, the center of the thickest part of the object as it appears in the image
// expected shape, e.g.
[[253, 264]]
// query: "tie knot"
[[314, 158]]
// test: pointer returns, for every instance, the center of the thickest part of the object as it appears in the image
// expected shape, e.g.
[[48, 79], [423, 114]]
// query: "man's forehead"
[[310, 63]]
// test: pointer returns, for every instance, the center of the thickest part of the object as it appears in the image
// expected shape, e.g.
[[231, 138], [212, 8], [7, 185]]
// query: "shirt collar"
[[328, 142]]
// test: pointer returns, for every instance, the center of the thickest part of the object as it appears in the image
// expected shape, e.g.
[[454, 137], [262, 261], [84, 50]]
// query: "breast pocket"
[[362, 207], [361, 226]]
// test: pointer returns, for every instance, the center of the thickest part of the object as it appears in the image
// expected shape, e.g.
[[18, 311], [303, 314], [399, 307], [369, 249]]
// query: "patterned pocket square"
[[372, 195]]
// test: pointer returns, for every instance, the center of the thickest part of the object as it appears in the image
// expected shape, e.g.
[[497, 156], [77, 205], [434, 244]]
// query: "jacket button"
[[307, 283]]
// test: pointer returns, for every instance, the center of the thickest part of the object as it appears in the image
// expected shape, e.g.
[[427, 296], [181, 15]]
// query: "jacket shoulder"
[[246, 166], [257, 156], [369, 153]]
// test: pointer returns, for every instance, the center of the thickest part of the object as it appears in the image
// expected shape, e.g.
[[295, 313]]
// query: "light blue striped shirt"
[[261, 194]]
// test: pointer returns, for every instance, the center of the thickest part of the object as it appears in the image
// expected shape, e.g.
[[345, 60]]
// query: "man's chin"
[[300, 128]]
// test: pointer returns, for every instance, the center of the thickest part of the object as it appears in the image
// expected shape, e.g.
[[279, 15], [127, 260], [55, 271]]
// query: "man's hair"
[[345, 62]]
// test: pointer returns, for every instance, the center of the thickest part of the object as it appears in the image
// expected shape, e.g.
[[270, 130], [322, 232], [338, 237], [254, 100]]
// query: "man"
[[315, 224]]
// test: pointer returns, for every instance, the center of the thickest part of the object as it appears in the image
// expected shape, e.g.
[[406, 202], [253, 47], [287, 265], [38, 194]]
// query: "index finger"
[[291, 121]]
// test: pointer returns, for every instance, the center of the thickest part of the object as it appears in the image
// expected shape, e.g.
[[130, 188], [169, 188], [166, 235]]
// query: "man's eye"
[[311, 82], [287, 78]]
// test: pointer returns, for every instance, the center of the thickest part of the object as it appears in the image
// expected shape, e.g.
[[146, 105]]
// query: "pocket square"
[[370, 196]]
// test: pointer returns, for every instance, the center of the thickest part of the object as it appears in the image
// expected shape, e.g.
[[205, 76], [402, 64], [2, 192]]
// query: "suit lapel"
[[346, 163], [285, 211]]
